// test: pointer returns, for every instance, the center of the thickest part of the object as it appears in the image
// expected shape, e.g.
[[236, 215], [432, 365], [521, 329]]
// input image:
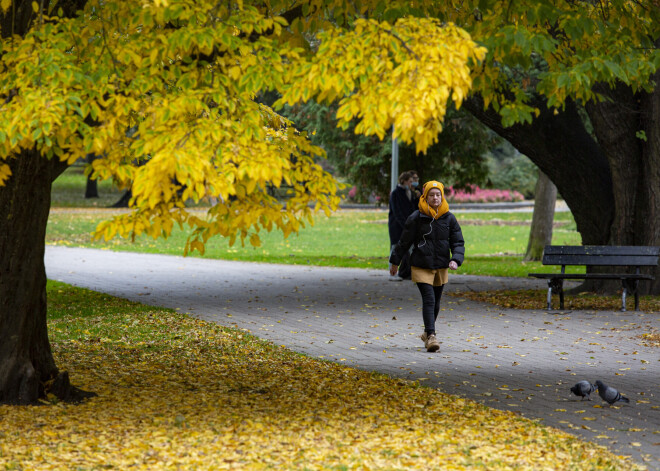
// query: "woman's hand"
[[394, 269], [453, 265]]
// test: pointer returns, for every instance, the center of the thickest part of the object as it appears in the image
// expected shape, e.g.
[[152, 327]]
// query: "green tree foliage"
[[457, 158], [509, 169]]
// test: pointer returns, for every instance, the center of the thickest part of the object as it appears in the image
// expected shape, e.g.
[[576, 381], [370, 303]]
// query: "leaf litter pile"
[[536, 299], [179, 393]]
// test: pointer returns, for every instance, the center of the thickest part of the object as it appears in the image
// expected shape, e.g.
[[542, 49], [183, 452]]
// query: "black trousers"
[[430, 305]]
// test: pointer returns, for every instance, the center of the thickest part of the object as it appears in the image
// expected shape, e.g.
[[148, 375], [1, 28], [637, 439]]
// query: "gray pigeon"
[[609, 394], [583, 389]]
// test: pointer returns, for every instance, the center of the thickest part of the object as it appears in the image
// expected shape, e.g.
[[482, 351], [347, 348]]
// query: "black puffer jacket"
[[400, 208], [436, 242]]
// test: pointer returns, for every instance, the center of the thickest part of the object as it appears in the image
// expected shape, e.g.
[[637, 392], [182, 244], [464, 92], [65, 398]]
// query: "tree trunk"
[[27, 368], [626, 126], [648, 204], [92, 188], [540, 234], [562, 148], [612, 184], [124, 200]]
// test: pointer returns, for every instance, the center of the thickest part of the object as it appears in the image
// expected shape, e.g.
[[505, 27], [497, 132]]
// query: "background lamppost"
[[395, 161]]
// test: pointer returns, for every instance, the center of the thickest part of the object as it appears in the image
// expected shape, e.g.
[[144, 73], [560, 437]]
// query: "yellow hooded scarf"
[[423, 205]]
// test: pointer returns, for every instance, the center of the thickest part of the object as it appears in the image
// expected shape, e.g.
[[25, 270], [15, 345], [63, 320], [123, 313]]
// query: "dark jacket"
[[400, 208], [436, 242]]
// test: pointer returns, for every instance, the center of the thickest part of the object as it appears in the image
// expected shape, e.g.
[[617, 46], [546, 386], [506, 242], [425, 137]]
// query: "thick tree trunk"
[[562, 148], [648, 204], [27, 367], [626, 126], [91, 189], [611, 183], [540, 234], [615, 124]]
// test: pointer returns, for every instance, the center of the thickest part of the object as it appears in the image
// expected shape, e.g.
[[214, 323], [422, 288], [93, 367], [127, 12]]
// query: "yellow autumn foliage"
[[399, 75], [167, 94]]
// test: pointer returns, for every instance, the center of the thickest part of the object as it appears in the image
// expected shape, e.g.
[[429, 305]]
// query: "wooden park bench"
[[632, 257]]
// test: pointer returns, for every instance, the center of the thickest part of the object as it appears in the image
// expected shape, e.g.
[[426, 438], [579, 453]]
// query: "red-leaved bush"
[[474, 194]]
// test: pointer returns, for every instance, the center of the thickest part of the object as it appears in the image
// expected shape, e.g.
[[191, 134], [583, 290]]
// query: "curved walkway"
[[523, 361]]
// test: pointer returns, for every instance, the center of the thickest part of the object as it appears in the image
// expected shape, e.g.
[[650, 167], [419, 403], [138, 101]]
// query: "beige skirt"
[[437, 277]]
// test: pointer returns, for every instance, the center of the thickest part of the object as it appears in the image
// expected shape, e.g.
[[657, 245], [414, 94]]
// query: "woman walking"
[[438, 245]]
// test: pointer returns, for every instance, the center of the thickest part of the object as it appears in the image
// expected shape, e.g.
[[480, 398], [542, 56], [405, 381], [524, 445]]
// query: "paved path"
[[517, 360]]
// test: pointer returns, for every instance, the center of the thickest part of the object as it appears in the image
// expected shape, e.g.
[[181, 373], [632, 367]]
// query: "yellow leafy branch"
[[380, 80]]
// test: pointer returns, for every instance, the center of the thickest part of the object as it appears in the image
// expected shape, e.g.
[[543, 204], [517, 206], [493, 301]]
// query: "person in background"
[[415, 187], [438, 245], [402, 205]]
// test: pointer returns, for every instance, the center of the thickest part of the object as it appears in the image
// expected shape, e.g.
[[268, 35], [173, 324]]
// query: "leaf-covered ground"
[[179, 393], [537, 299]]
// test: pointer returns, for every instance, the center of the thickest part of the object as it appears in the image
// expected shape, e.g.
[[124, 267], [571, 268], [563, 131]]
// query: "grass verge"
[[180, 393], [69, 190], [346, 239]]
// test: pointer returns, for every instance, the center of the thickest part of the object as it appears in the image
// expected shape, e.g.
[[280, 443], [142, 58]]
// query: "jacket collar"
[[426, 216]]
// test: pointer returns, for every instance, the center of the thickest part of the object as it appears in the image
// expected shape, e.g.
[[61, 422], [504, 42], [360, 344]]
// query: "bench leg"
[[549, 297], [623, 298], [630, 287]]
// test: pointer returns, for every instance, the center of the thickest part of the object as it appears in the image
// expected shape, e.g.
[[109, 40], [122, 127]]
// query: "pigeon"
[[583, 389], [609, 394]]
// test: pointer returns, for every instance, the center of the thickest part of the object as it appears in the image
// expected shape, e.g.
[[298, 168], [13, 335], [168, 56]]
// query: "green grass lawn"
[[346, 239], [494, 242], [69, 191]]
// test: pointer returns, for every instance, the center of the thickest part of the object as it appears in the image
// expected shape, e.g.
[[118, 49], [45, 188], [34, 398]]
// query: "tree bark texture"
[[649, 196], [27, 367], [26, 360], [540, 234], [626, 126], [610, 182]]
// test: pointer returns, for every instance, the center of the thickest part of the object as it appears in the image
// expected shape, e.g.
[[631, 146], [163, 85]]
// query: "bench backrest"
[[603, 255]]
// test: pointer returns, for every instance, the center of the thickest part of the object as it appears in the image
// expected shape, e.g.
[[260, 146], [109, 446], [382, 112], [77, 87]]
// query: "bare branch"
[[403, 43]]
